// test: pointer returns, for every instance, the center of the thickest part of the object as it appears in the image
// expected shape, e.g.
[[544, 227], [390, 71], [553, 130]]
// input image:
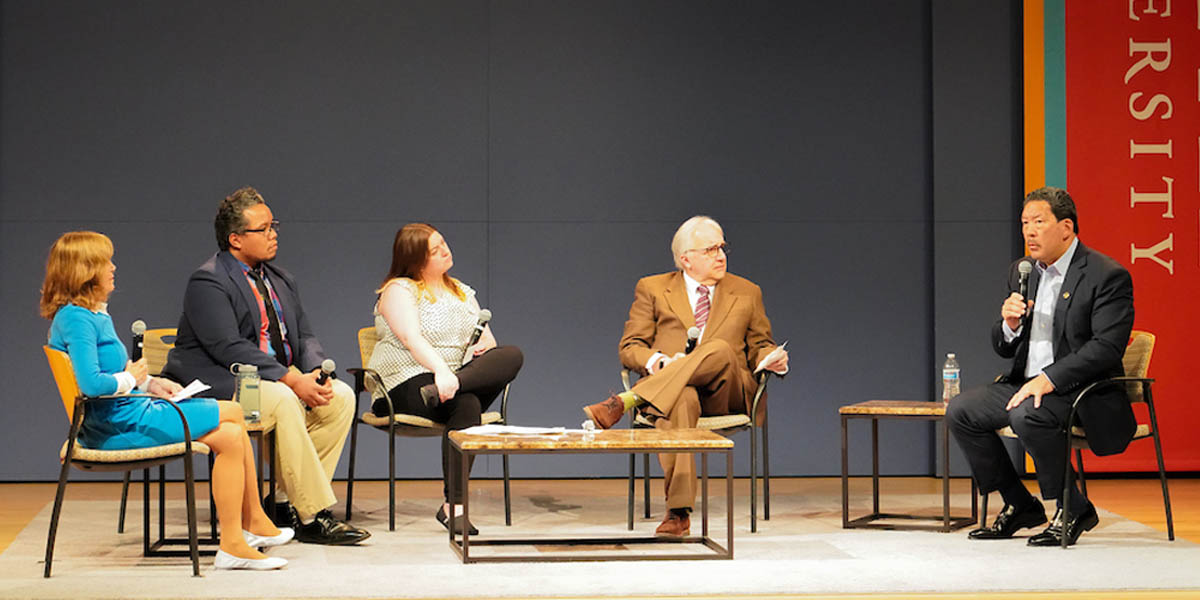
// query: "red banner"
[[1133, 167]]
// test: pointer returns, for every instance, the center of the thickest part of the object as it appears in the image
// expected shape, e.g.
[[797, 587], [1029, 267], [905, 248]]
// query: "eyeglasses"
[[272, 226], [711, 251]]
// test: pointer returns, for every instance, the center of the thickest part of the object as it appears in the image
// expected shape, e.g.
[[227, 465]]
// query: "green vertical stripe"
[[1056, 93]]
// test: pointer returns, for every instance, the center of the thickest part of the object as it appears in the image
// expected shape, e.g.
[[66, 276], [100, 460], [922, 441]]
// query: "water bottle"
[[246, 390], [951, 383]]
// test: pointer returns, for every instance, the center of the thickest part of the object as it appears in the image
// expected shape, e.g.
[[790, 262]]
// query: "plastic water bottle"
[[246, 391], [951, 383]]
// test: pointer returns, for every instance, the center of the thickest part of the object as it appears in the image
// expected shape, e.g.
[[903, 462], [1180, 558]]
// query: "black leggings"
[[479, 383]]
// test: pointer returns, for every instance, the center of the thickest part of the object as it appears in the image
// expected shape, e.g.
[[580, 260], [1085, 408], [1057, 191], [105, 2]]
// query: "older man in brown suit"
[[716, 378]]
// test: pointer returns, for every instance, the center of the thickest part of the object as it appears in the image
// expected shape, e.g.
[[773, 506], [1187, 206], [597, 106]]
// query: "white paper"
[[193, 388], [513, 430], [770, 358]]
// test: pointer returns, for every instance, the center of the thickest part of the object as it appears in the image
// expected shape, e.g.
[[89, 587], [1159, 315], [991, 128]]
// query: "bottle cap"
[[950, 355]]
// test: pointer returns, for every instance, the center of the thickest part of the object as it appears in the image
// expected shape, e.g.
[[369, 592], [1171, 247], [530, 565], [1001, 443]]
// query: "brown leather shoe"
[[607, 413], [674, 525]]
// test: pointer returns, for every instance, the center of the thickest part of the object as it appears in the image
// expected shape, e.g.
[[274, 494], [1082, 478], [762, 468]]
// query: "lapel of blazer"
[[677, 299], [1075, 274], [233, 269], [723, 301]]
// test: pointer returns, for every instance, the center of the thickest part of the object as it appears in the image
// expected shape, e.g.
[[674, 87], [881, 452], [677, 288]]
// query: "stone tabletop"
[[610, 439], [895, 408]]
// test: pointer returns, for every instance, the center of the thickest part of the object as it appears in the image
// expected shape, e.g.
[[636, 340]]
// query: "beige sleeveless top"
[[446, 324]]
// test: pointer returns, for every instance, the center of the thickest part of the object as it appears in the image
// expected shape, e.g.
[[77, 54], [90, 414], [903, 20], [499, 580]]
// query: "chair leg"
[[124, 499], [1162, 476], [145, 512], [350, 473], [646, 485], [632, 487], [212, 503], [392, 481], [190, 489], [58, 501], [753, 481], [766, 458], [1082, 475], [507, 494]]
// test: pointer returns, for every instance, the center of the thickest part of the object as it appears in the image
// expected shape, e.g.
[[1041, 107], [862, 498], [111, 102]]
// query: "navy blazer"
[[1093, 317], [221, 321]]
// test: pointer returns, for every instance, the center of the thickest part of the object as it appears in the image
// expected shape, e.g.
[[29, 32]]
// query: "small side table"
[[903, 410]]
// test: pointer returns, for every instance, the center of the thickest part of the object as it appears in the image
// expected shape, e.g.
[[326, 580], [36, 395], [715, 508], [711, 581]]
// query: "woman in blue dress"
[[79, 280]]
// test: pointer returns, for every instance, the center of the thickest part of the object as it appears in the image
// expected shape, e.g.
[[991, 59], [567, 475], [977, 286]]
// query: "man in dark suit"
[[714, 379], [241, 308], [1071, 331]]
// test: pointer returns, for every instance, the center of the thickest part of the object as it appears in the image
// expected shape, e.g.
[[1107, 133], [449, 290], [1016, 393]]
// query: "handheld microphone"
[[327, 367], [139, 335], [485, 315], [693, 337], [1024, 269]]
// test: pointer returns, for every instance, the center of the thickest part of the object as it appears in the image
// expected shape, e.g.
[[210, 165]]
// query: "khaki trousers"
[[308, 444], [708, 382]]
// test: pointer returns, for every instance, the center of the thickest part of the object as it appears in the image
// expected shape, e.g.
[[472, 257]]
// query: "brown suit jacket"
[[661, 315]]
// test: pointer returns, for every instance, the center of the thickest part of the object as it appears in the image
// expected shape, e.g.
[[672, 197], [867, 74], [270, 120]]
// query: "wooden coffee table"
[[612, 441], [906, 411]]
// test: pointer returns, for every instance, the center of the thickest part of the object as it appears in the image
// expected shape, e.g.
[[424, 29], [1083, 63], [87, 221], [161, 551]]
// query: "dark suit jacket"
[[220, 325], [661, 315], [1092, 320]]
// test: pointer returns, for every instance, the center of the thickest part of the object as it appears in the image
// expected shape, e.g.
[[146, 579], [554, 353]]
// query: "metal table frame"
[[463, 547], [944, 523]]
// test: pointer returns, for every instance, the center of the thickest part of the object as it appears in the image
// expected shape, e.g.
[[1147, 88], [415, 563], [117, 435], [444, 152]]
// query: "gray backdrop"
[[864, 160]]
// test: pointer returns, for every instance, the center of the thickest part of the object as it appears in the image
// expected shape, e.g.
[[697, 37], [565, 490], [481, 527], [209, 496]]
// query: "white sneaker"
[[228, 561], [261, 541]]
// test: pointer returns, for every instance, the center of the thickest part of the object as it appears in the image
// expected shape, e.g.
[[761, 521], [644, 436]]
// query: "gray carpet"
[[801, 550]]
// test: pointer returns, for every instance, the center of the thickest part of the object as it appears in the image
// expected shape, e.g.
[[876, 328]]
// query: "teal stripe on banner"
[[1056, 92]]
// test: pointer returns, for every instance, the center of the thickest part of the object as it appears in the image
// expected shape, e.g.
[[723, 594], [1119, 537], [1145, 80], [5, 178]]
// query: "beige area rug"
[[801, 550]]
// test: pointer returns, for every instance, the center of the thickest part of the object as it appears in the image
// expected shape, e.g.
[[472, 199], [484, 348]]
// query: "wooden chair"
[[404, 425], [725, 425], [1136, 361], [87, 459]]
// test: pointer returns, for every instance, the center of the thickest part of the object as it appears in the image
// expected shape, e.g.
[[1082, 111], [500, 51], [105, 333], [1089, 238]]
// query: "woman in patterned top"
[[424, 318], [79, 280]]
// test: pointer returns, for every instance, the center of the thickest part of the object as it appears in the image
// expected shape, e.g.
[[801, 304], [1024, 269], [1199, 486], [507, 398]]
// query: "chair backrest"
[[367, 338], [1137, 360], [64, 378], [155, 346]]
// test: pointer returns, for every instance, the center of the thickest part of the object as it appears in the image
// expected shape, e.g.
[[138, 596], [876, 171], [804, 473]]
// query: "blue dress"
[[124, 423]]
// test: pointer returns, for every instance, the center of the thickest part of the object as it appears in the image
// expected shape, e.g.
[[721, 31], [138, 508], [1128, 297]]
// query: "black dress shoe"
[[284, 514], [1010, 520], [443, 518], [1053, 535], [327, 530]]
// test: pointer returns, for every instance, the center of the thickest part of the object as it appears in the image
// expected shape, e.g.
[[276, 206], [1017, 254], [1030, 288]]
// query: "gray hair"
[[231, 214], [685, 233]]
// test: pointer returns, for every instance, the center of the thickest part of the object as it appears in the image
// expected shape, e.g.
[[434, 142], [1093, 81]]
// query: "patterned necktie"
[[272, 318], [702, 307]]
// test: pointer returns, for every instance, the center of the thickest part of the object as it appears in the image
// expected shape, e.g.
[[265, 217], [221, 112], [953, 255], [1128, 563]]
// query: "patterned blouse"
[[446, 324]]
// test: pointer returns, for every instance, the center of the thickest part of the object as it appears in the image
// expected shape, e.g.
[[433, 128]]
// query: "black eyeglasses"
[[272, 226], [711, 251]]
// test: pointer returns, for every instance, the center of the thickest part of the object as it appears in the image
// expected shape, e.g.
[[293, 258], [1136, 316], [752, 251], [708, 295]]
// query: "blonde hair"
[[73, 269], [683, 236]]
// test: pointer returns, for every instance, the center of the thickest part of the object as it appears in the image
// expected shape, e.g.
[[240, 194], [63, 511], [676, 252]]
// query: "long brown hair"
[[73, 269], [410, 254]]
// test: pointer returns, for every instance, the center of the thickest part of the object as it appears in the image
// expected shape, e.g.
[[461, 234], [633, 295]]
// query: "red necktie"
[[702, 307]]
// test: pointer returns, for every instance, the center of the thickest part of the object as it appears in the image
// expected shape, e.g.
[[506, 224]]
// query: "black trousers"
[[479, 384], [976, 414]]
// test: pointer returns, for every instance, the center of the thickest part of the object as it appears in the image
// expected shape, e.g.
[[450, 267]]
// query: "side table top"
[[609, 439], [895, 408]]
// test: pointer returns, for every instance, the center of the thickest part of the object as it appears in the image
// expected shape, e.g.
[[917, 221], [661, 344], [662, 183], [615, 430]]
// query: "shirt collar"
[[1064, 261], [692, 284]]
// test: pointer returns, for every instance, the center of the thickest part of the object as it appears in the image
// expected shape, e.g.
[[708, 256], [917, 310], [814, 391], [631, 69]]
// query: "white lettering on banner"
[[1149, 10], [1148, 60], [1136, 149], [1148, 111], [1152, 253], [1166, 197]]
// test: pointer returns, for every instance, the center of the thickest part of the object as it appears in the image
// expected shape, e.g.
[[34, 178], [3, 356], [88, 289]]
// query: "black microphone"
[[139, 335], [693, 337], [485, 315], [327, 367], [1024, 269]]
